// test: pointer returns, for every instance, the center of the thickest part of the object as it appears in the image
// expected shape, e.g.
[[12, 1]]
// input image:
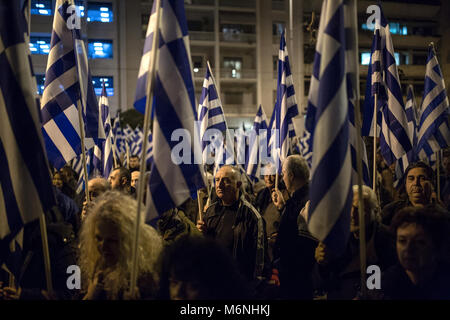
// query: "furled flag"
[[257, 135], [331, 186], [211, 117], [433, 128], [25, 185], [67, 88], [172, 180], [383, 81], [286, 103], [149, 153], [119, 142], [107, 156], [410, 156]]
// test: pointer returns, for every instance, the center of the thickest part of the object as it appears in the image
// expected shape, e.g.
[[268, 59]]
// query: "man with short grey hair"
[[294, 247], [237, 225]]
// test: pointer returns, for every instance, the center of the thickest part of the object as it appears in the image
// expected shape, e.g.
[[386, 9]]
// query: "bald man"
[[97, 186], [237, 225]]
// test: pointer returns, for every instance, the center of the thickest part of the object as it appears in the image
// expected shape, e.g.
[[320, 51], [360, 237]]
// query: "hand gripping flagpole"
[[148, 105], [362, 223]]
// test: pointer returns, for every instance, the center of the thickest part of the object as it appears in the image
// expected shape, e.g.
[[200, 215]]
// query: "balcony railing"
[[199, 2], [229, 73], [201, 35], [238, 3], [238, 37]]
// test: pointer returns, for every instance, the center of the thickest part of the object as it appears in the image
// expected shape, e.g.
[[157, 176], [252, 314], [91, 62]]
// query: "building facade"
[[240, 39]]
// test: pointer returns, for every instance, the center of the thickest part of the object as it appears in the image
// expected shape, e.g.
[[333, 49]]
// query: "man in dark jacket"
[[340, 277], [294, 247], [418, 183], [237, 225]]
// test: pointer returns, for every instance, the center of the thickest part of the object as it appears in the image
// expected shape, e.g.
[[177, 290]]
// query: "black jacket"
[[249, 238], [396, 285], [295, 250], [341, 277]]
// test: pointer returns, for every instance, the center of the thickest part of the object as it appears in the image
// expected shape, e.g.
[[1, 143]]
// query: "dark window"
[[277, 28], [109, 85], [40, 80]]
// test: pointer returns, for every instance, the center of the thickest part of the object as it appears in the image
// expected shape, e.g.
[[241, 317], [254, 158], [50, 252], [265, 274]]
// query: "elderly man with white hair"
[[294, 247], [237, 225], [340, 276]]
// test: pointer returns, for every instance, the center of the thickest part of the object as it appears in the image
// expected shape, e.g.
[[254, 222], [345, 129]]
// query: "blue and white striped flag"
[[331, 186], [258, 134], [210, 116], [433, 128], [136, 142], [383, 80], [107, 156], [286, 103], [67, 87], [119, 140], [25, 185], [149, 153], [174, 108], [410, 156]]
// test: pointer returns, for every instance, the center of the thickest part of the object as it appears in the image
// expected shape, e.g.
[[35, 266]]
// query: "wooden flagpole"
[[148, 105], [361, 209]]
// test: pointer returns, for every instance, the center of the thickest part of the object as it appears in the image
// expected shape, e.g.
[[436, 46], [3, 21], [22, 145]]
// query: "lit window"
[[39, 45], [394, 28], [100, 11], [100, 49], [80, 6], [397, 58], [41, 7], [40, 80], [365, 58], [109, 85]]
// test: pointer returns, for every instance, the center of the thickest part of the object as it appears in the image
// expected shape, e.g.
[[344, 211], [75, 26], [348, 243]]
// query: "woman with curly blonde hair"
[[106, 244]]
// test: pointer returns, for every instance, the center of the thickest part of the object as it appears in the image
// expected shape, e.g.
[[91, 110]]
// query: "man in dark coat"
[[294, 247], [340, 277], [237, 225]]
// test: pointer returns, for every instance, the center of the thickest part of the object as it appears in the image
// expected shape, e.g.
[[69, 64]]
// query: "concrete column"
[[259, 36], [121, 82], [216, 66], [443, 47], [299, 61], [266, 50]]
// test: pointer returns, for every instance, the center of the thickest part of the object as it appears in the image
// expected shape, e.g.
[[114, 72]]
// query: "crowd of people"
[[250, 241]]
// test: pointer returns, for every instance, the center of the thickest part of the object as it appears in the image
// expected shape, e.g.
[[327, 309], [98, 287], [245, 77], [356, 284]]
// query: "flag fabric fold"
[[174, 108], [331, 186], [433, 128]]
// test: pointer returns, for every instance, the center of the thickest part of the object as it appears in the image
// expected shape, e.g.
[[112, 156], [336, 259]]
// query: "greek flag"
[[67, 87], [433, 128], [174, 108], [136, 142], [258, 134], [25, 185], [107, 156], [286, 103], [410, 156], [119, 142], [331, 186], [383, 80], [210, 116], [149, 153]]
